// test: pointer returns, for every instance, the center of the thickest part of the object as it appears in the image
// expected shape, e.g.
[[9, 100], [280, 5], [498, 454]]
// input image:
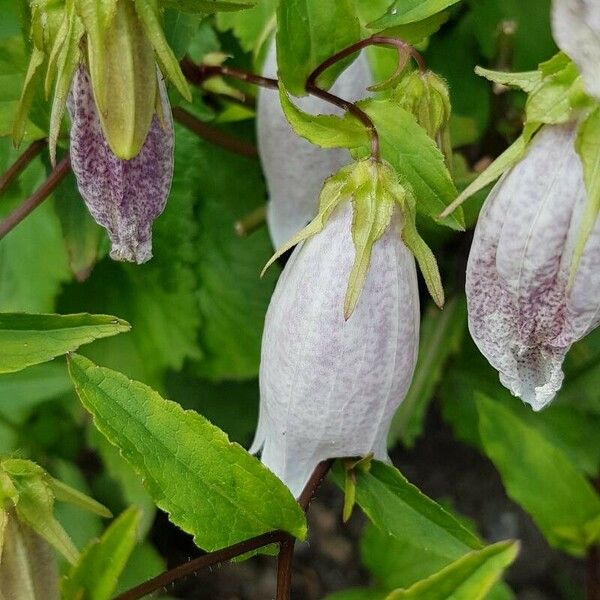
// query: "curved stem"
[[21, 164], [28, 206]]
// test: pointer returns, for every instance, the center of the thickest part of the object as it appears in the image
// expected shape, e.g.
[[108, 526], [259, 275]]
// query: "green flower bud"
[[426, 96]]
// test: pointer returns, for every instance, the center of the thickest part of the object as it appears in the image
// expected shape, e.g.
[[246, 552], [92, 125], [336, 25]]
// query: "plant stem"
[[28, 206], [252, 221], [21, 164], [201, 562], [284, 567], [313, 483], [213, 134]]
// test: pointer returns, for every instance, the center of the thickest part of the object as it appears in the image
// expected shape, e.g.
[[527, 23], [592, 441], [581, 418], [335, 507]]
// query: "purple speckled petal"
[[522, 315], [330, 387], [576, 28], [124, 196]]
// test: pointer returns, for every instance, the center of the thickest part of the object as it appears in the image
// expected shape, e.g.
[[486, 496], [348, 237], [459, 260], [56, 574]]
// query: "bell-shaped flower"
[[576, 29], [294, 168], [527, 305], [341, 332], [124, 196]]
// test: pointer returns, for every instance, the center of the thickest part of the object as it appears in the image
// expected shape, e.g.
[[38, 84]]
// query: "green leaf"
[[327, 131], [232, 298], [416, 159], [541, 478], [526, 81], [209, 6], [588, 148], [417, 32], [398, 508], [357, 594], [27, 339], [441, 333], [402, 12], [310, 31], [469, 578], [210, 487], [96, 574], [251, 27]]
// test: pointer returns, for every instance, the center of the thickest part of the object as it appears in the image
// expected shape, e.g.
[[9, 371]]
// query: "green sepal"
[[26, 99], [148, 14], [587, 146], [123, 74], [526, 81], [351, 466], [67, 62]]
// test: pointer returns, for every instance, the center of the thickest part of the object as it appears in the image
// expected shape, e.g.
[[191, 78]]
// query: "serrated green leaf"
[[588, 148], [540, 477], [441, 333], [210, 487], [166, 58], [28, 339], [310, 31], [526, 81], [96, 574], [469, 578], [327, 131], [398, 508], [402, 12], [416, 158]]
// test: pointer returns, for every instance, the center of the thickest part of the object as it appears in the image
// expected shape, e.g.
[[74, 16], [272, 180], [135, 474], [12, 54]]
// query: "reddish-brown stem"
[[313, 483], [28, 206], [21, 164], [284, 568], [213, 134], [207, 560]]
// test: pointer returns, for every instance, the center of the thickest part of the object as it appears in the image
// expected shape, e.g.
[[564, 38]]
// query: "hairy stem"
[[213, 134], [21, 164], [28, 206], [284, 568]]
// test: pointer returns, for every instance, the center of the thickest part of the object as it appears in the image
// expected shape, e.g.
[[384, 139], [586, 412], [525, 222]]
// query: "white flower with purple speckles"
[[330, 386], [524, 314], [576, 28], [123, 196]]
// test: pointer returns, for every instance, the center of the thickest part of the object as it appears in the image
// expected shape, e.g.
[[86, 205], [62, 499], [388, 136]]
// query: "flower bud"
[[426, 96], [576, 29], [526, 308], [294, 168], [28, 566], [123, 196], [330, 385]]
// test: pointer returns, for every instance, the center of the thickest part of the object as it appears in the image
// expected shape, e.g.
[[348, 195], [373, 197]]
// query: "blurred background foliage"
[[197, 312]]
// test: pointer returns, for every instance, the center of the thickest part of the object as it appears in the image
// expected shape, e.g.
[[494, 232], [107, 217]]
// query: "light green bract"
[[375, 192]]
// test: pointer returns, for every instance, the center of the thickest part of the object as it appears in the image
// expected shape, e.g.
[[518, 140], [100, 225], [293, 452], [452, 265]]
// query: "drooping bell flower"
[[124, 196], [104, 62], [341, 333], [294, 168], [576, 29], [526, 305]]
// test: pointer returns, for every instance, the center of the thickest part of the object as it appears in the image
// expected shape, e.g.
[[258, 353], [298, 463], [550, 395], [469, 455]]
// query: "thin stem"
[[198, 74], [213, 134], [21, 164], [251, 222], [313, 483], [284, 568], [207, 560], [28, 206]]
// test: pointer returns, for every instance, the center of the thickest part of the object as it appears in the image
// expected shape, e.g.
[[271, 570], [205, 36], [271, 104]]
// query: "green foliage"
[[27, 339], [468, 578], [308, 32], [398, 508], [403, 12], [440, 337], [208, 6], [210, 487], [541, 478], [95, 575]]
